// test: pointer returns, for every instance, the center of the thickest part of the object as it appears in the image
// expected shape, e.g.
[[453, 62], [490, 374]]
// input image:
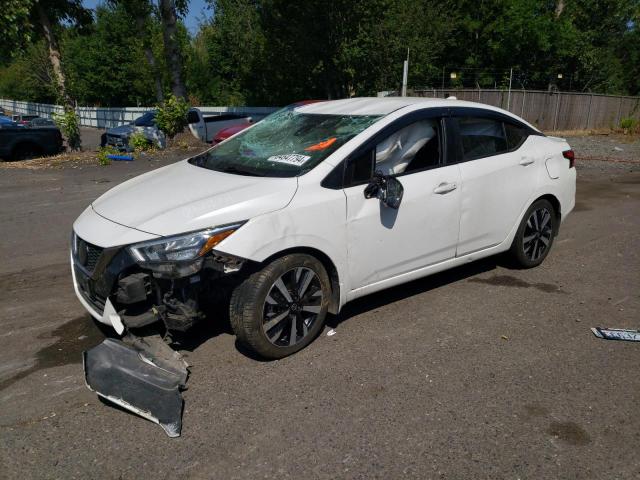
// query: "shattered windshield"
[[285, 144]]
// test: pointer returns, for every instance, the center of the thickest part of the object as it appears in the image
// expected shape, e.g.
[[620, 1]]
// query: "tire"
[[535, 235], [264, 319], [25, 151]]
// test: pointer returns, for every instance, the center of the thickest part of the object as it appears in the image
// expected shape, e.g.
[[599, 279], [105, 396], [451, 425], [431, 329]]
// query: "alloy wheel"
[[537, 234], [292, 306]]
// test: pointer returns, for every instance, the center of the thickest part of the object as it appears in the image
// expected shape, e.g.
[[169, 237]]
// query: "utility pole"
[[509, 96], [405, 75]]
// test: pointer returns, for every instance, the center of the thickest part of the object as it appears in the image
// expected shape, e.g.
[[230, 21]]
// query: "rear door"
[[498, 176]]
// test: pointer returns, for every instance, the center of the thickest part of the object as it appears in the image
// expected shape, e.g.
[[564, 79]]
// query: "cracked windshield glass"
[[287, 143]]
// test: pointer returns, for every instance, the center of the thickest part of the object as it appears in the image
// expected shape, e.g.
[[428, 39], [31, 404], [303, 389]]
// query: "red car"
[[229, 131]]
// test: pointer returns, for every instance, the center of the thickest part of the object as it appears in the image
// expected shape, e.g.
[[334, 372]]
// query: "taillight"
[[571, 156]]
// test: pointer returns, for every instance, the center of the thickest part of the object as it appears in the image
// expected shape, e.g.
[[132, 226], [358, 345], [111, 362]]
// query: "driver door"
[[383, 242]]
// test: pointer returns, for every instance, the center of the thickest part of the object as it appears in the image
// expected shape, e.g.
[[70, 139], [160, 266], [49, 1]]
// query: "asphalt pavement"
[[479, 372]]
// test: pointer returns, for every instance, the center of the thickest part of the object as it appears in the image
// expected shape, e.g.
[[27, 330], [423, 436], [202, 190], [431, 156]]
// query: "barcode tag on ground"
[[617, 334]]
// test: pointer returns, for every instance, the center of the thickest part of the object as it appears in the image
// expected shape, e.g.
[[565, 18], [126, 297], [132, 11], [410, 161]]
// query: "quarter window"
[[360, 169], [516, 135]]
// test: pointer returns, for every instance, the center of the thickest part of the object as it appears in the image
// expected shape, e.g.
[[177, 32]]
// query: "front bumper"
[[118, 142], [102, 311]]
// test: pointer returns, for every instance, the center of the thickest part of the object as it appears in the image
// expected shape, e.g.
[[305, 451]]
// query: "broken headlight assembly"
[[180, 255]]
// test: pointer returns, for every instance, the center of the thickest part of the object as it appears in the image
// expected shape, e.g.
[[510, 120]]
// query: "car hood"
[[183, 197], [121, 130]]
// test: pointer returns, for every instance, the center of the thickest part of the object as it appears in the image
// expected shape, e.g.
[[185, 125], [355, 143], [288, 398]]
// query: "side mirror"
[[386, 188]]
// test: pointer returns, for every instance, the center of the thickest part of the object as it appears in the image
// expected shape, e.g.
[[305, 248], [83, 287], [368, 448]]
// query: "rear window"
[[146, 120]]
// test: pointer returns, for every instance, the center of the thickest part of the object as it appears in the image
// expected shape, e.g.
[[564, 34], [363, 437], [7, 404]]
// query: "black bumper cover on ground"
[[144, 380]]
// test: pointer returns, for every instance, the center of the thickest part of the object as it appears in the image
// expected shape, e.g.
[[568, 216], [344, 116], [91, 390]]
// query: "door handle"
[[445, 188], [526, 161]]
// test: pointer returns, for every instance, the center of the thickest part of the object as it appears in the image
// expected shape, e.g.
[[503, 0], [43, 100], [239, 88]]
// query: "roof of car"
[[386, 105]]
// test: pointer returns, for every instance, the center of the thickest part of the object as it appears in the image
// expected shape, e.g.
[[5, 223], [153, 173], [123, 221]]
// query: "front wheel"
[[535, 235], [280, 309]]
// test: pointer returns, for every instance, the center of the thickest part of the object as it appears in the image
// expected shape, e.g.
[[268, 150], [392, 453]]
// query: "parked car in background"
[[207, 127], [228, 132], [20, 143], [118, 137], [24, 119], [316, 206], [7, 122], [41, 122]]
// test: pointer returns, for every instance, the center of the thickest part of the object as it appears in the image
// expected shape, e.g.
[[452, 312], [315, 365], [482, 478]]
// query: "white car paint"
[[449, 215], [384, 243], [182, 197]]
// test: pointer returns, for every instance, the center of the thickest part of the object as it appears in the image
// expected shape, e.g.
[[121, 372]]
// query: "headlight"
[[181, 254]]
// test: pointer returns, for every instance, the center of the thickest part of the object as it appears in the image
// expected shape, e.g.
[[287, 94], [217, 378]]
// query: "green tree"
[[106, 62], [169, 11], [141, 11]]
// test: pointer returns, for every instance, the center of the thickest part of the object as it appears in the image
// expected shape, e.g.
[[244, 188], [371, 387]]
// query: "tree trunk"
[[171, 47], [141, 22], [54, 56], [559, 7]]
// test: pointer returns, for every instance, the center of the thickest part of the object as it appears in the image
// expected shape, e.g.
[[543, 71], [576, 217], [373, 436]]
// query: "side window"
[[516, 135], [414, 147], [417, 146], [481, 137]]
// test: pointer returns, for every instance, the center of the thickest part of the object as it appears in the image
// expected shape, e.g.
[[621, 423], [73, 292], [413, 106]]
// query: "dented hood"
[[183, 197]]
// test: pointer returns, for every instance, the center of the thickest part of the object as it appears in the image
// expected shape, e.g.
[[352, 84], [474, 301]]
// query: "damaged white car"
[[315, 206], [283, 218]]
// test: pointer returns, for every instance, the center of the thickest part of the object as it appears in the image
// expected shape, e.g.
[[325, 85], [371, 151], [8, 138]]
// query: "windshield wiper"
[[240, 171]]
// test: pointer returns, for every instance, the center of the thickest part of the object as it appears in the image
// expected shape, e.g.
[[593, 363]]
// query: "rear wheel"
[[535, 235], [280, 309]]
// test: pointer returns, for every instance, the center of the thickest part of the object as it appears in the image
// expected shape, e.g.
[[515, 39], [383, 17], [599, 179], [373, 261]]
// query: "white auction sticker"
[[291, 159]]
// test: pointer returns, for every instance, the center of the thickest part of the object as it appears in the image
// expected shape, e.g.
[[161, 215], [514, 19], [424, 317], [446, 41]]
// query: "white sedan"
[[315, 206]]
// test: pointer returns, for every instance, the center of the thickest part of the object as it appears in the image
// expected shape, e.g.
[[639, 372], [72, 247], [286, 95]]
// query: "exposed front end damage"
[[109, 281], [149, 307]]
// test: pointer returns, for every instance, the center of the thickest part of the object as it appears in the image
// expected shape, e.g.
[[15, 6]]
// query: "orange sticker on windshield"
[[321, 145]]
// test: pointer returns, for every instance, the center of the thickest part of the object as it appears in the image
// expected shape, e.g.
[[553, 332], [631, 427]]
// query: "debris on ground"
[[141, 374], [617, 334], [183, 146]]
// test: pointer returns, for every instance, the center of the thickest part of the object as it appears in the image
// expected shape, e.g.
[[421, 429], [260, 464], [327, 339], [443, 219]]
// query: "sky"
[[197, 11]]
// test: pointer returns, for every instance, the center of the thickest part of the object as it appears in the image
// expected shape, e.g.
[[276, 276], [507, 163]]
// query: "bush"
[[139, 142], [70, 128], [628, 124], [171, 117], [102, 155]]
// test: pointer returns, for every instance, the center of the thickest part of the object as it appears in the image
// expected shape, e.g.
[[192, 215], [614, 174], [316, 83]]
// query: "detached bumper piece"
[[143, 375]]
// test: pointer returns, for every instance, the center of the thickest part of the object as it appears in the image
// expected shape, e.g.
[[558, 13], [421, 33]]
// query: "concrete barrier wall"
[[549, 110], [111, 117]]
